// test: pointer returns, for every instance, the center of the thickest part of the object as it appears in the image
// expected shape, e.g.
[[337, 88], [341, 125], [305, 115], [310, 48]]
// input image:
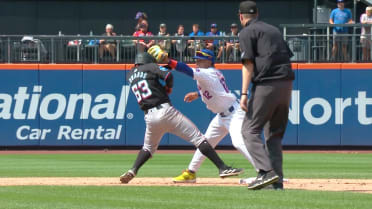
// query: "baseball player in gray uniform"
[[146, 80]]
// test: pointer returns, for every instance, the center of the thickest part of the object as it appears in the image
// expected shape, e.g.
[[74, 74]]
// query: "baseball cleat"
[[229, 171], [185, 177], [126, 177], [263, 180]]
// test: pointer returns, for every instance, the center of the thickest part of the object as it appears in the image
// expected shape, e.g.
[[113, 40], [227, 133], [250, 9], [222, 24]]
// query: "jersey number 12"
[[141, 90]]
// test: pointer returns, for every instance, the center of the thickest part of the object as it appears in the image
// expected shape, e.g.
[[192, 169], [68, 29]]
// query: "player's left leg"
[[154, 132], [234, 124], [184, 128], [214, 135]]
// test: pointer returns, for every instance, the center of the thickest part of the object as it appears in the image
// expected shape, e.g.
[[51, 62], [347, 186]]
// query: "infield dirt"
[[352, 185]]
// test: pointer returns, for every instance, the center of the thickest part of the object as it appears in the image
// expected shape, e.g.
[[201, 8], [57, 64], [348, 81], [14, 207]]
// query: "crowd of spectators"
[[342, 15], [176, 48], [228, 50]]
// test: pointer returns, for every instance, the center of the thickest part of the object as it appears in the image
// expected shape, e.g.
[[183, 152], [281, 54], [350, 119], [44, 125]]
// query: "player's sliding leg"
[[211, 154], [188, 131], [235, 130], [214, 135]]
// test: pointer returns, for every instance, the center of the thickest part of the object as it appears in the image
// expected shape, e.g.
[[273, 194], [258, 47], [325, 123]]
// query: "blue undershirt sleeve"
[[183, 68]]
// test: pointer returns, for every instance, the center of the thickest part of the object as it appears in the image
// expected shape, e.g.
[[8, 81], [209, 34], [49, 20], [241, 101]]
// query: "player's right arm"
[[162, 57], [189, 97], [181, 67]]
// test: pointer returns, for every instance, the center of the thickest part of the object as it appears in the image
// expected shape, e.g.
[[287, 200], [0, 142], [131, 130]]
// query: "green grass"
[[167, 165], [48, 197], [308, 165]]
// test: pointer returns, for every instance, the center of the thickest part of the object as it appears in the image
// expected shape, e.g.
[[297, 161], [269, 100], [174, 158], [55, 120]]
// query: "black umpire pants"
[[268, 109]]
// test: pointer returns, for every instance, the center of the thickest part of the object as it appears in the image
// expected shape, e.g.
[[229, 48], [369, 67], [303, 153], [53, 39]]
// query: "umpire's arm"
[[247, 73], [248, 44]]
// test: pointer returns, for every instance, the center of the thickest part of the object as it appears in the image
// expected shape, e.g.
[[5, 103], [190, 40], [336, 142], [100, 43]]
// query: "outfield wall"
[[90, 105]]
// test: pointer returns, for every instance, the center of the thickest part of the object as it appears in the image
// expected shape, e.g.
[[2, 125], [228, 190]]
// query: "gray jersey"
[[160, 116]]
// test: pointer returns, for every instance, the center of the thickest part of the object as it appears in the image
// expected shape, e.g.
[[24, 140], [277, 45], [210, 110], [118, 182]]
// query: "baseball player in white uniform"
[[161, 117], [218, 98]]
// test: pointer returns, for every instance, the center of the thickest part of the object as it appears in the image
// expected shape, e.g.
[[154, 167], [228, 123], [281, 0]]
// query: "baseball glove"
[[157, 53]]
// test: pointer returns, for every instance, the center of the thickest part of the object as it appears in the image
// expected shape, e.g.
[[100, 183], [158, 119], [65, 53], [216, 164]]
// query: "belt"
[[229, 111], [157, 107]]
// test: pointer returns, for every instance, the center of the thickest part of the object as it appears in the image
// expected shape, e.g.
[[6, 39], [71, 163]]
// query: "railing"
[[118, 49], [308, 42], [317, 43]]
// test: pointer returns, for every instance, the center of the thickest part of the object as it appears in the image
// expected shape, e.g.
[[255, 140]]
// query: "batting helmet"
[[144, 58]]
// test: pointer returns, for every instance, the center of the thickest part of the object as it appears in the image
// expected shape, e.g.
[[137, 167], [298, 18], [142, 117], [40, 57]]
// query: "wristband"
[[243, 94], [172, 63], [198, 93]]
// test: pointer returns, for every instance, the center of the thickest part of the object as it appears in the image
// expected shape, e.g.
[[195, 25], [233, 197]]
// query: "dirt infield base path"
[[353, 185]]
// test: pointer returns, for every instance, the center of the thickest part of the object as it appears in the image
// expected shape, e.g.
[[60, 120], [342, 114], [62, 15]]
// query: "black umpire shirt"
[[148, 82], [264, 45]]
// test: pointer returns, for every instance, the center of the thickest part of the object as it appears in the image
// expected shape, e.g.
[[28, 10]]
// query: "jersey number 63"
[[141, 90]]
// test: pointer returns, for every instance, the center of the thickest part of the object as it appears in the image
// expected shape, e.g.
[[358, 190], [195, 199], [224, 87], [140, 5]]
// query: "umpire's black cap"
[[248, 7], [144, 58]]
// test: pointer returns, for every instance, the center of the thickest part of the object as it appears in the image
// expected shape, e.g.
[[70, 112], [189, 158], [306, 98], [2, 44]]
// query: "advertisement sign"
[[92, 105]]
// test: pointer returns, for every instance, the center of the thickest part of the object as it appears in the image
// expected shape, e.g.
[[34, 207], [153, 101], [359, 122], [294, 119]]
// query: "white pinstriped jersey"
[[213, 89]]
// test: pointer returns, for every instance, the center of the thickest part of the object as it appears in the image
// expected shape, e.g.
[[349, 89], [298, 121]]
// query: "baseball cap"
[[213, 25], [234, 25], [368, 8], [248, 7], [340, 1], [138, 15], [205, 54], [163, 25]]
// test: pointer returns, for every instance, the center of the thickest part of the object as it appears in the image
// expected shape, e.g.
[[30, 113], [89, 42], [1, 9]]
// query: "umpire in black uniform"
[[266, 63]]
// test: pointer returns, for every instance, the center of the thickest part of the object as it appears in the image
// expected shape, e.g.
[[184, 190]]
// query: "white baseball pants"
[[218, 128]]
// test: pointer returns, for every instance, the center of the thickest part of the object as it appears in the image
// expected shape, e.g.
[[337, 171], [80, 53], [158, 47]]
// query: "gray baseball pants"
[[169, 120], [268, 109]]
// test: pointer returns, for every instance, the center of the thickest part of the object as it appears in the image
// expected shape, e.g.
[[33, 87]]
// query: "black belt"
[[157, 107]]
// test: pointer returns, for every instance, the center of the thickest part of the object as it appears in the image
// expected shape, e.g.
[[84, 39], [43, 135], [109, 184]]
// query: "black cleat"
[[264, 179], [229, 171]]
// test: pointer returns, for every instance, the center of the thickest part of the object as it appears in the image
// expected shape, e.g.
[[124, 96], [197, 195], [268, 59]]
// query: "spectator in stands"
[[139, 17], [179, 45], [232, 45], [340, 15], [195, 45], [213, 44], [365, 38], [165, 44], [196, 31], [143, 45], [107, 44]]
